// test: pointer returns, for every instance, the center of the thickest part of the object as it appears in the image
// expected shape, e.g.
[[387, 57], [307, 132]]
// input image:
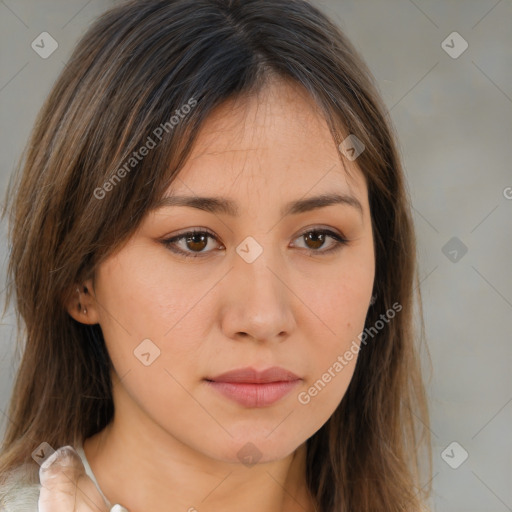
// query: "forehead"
[[275, 142]]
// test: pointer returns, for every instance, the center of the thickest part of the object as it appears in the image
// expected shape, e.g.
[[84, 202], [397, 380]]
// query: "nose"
[[258, 301]]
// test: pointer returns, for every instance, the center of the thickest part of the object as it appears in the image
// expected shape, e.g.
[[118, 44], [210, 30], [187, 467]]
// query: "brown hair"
[[135, 67]]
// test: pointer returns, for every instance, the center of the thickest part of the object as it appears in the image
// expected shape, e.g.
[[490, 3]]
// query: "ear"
[[82, 305]]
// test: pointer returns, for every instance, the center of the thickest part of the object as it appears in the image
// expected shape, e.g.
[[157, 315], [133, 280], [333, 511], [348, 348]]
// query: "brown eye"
[[193, 243], [315, 239], [197, 242]]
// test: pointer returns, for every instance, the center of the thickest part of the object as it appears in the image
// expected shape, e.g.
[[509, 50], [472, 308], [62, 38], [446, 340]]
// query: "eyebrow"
[[230, 207]]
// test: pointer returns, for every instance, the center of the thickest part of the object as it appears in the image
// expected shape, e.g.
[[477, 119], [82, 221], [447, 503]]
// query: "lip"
[[255, 388]]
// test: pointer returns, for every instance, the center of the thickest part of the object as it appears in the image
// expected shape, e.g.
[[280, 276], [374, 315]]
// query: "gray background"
[[453, 117]]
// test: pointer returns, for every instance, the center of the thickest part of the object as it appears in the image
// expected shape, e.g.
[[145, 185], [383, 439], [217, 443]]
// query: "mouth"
[[252, 388]]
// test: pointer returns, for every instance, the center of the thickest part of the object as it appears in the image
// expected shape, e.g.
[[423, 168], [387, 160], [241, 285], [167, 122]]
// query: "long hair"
[[135, 68]]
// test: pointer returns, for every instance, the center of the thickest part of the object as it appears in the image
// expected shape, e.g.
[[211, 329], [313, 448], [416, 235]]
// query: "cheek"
[[320, 396], [140, 298], [332, 357], [152, 317], [341, 305], [146, 321], [340, 301]]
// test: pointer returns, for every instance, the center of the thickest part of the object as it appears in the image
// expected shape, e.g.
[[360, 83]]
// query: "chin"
[[257, 448]]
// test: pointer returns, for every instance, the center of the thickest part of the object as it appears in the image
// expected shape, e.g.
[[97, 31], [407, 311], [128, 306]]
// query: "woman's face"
[[268, 285]]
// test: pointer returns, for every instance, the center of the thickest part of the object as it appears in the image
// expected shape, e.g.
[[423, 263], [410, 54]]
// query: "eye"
[[315, 239], [195, 240], [193, 243]]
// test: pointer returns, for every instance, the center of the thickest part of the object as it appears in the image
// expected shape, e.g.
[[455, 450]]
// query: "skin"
[[173, 442]]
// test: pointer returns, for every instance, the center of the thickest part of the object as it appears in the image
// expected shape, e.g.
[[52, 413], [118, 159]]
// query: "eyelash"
[[169, 243]]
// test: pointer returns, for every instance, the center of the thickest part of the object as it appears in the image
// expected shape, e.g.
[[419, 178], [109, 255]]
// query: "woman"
[[214, 258]]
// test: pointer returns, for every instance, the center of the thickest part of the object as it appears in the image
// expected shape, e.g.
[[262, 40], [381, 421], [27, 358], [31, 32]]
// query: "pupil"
[[319, 239], [190, 239]]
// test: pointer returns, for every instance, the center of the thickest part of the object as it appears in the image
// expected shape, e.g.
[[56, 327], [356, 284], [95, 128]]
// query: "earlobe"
[[82, 305]]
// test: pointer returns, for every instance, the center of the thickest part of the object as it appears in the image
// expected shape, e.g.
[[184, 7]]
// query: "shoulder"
[[19, 491]]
